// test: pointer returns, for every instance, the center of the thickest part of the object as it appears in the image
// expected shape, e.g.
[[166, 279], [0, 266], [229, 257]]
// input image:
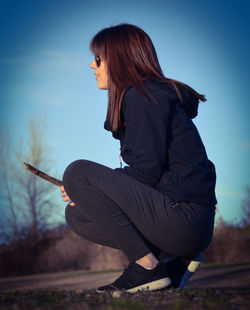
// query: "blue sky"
[[44, 70]]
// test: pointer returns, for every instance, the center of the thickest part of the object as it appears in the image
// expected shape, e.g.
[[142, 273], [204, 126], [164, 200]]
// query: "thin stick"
[[43, 175]]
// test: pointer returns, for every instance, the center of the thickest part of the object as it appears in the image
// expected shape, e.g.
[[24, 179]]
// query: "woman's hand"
[[65, 196]]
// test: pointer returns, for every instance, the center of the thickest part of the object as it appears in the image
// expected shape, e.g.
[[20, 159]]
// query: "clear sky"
[[44, 70]]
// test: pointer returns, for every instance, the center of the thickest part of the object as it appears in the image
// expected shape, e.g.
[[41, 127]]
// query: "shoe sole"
[[191, 269], [151, 286]]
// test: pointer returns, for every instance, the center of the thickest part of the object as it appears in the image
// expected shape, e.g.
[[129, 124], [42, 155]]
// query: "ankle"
[[149, 261]]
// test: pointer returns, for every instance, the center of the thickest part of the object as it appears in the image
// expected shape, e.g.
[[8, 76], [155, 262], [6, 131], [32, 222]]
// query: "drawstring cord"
[[120, 155], [120, 158]]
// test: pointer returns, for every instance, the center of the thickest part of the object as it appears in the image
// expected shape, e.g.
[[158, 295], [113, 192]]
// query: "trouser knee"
[[71, 170], [71, 173]]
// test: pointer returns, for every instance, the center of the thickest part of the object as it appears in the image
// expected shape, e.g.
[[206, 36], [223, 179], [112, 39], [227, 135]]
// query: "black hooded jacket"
[[161, 145]]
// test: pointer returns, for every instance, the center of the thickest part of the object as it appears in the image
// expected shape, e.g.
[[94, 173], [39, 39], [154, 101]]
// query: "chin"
[[102, 87]]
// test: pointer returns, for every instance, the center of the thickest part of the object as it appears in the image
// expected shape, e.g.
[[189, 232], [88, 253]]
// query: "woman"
[[159, 209]]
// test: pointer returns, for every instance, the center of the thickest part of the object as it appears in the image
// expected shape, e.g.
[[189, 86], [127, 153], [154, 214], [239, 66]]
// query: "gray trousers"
[[117, 211]]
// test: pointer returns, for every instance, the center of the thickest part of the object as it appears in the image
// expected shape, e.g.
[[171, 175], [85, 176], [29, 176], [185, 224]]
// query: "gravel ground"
[[195, 299], [212, 287]]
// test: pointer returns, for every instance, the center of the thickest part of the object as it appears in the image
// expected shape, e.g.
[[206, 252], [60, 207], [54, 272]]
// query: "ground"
[[212, 287]]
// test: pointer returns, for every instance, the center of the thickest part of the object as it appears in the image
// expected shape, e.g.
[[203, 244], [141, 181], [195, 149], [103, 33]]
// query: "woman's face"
[[100, 73]]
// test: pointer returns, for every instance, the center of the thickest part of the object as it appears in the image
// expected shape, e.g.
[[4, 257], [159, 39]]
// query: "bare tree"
[[35, 193], [28, 198], [8, 211]]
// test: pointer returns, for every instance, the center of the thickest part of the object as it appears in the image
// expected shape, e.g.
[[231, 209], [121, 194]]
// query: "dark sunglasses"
[[97, 61]]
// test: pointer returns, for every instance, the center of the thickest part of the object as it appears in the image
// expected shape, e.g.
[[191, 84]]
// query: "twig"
[[43, 175]]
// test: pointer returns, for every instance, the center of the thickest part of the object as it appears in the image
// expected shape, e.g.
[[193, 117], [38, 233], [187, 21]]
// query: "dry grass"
[[195, 299]]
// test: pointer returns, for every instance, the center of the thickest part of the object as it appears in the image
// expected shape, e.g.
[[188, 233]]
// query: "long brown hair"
[[131, 59]]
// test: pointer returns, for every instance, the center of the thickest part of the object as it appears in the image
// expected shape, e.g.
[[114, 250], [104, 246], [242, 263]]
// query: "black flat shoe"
[[180, 269], [136, 278]]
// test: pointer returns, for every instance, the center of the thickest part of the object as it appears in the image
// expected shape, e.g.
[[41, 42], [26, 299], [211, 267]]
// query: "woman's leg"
[[130, 212], [78, 221], [88, 229], [100, 220]]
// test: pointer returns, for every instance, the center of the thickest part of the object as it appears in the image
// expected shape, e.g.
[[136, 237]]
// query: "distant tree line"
[[59, 249], [231, 242]]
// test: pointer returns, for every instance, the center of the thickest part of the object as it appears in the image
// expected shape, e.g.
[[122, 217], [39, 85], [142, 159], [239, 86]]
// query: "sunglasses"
[[97, 61]]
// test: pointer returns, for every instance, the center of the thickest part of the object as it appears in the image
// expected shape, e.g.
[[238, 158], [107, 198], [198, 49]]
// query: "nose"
[[93, 64]]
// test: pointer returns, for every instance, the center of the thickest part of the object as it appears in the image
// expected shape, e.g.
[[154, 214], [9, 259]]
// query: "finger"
[[66, 198], [62, 189], [64, 194], [72, 204]]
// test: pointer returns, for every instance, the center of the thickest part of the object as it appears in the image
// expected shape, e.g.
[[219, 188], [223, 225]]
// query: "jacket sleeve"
[[145, 145]]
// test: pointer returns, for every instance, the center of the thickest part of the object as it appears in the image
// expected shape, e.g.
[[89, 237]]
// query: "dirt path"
[[236, 275]]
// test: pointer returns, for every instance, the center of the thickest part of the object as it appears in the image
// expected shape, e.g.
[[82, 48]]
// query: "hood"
[[190, 102]]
